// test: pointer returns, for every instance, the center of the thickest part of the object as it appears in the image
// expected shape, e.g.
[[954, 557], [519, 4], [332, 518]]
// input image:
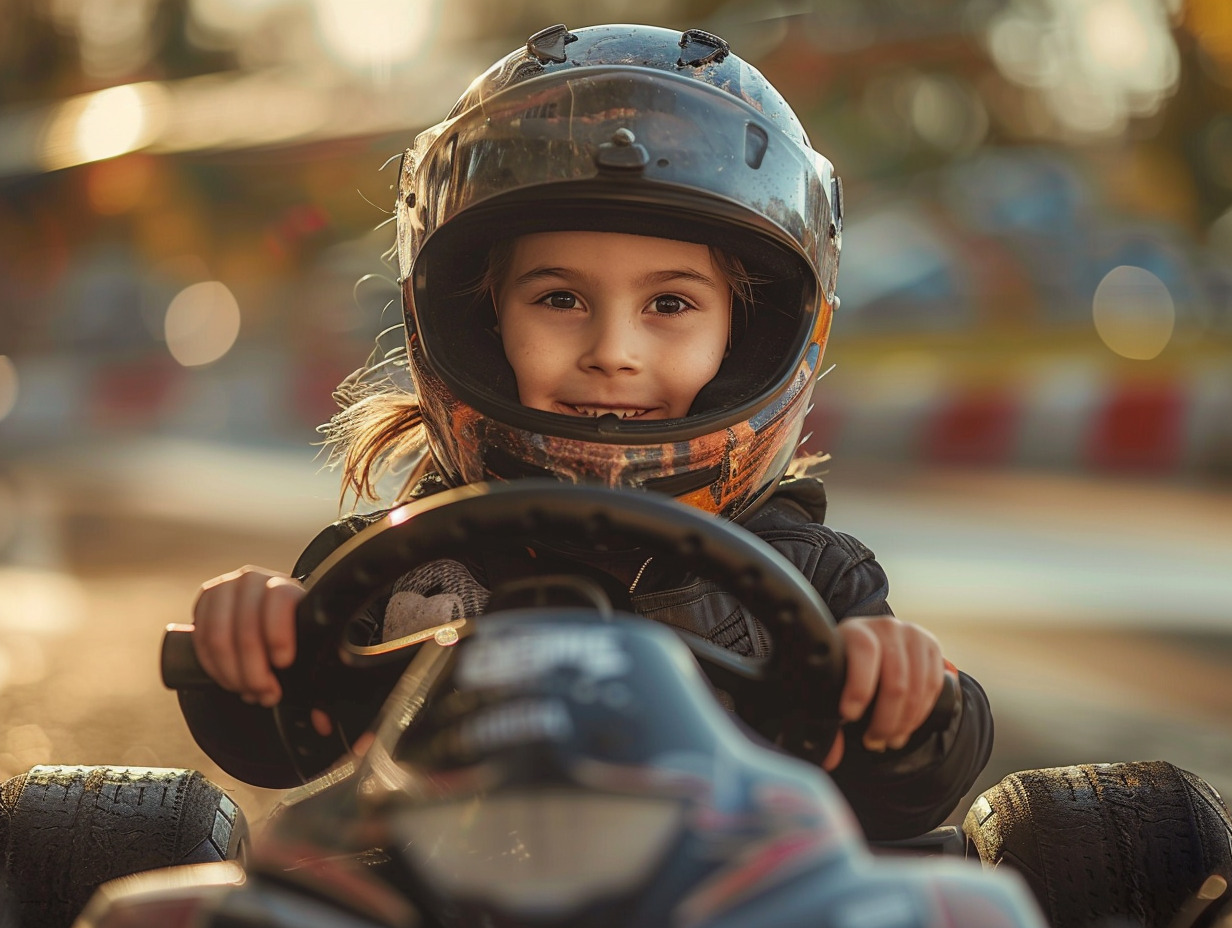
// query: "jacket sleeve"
[[896, 794], [904, 793], [243, 739]]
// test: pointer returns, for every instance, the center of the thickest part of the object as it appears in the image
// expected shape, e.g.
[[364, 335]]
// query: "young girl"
[[618, 258]]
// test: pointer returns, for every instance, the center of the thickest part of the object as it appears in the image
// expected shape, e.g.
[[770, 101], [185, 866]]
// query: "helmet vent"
[[549, 44], [684, 482], [700, 48], [755, 143]]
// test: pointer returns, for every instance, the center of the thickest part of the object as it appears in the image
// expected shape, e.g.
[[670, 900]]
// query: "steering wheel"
[[793, 692]]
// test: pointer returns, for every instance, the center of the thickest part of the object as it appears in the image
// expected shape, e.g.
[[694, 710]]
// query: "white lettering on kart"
[[521, 722], [531, 653]]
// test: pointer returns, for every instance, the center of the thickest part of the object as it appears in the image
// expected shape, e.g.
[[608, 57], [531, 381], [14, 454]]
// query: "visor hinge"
[[622, 153]]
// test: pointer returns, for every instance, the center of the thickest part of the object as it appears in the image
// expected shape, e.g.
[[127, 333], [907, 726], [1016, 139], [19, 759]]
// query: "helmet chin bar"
[[725, 471]]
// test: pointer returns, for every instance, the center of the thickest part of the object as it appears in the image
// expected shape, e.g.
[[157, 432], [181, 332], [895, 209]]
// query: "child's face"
[[600, 322]]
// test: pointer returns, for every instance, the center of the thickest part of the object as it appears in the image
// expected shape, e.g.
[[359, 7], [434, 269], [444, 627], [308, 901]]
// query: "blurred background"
[[1029, 414]]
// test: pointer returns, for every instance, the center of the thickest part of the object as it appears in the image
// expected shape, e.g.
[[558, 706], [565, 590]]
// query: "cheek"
[[707, 353], [517, 342], [703, 368], [689, 370], [529, 354], [522, 361]]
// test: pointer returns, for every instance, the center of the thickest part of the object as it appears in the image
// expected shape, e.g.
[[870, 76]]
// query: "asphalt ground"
[[1097, 613]]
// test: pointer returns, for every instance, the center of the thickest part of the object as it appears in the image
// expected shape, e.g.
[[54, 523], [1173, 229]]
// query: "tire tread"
[[1105, 844], [64, 830]]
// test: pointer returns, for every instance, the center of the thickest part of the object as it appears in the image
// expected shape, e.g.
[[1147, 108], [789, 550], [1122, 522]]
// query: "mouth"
[[593, 411]]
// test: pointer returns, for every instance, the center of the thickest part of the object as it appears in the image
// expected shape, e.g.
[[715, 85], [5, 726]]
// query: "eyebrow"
[[668, 275]]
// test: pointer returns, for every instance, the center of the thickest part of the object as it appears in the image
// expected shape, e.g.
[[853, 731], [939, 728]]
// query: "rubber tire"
[[66, 830], [1105, 844]]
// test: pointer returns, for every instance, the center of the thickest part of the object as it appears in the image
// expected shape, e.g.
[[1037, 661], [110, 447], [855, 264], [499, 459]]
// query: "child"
[[618, 259]]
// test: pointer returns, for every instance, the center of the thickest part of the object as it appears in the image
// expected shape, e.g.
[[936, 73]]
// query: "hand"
[[244, 625], [898, 663]]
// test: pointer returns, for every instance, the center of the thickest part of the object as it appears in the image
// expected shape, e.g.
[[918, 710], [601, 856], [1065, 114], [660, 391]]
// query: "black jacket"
[[895, 794]]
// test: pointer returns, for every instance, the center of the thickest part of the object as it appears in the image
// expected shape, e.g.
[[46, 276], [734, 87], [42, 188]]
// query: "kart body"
[[554, 769]]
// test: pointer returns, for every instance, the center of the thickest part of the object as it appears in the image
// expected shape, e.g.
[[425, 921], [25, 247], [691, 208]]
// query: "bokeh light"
[[1024, 50], [363, 34], [1134, 313], [1098, 62], [112, 123], [114, 36], [202, 323], [8, 385], [1117, 40], [369, 37], [105, 124], [947, 114], [220, 16]]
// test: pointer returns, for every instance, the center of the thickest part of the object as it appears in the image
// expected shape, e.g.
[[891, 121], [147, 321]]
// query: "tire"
[[65, 830], [1104, 845]]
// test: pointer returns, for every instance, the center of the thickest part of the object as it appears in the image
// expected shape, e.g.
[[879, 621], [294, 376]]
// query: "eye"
[[561, 299], [669, 305]]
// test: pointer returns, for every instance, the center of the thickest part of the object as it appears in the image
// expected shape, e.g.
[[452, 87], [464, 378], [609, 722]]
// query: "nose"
[[612, 344]]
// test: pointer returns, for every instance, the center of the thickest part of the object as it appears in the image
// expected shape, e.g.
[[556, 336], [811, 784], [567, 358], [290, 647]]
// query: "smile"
[[624, 412]]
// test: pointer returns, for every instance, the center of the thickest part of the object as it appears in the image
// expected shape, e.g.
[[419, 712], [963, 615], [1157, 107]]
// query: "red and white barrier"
[[1063, 415]]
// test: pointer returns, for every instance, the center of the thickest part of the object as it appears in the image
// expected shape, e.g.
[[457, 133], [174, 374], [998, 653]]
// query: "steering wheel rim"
[[806, 666]]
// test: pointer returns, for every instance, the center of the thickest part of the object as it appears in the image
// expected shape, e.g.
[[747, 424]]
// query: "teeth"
[[594, 412]]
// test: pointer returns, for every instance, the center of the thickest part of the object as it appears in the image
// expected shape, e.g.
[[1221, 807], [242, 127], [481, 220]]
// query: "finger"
[[863, 666], [835, 755], [894, 688], [257, 681], [928, 676], [212, 617], [282, 595]]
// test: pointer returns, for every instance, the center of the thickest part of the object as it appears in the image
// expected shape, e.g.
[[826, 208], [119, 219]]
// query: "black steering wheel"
[[793, 692]]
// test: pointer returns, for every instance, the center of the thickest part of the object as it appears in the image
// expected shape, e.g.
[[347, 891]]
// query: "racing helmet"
[[639, 130]]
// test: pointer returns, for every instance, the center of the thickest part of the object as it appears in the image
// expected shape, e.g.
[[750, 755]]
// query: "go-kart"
[[556, 762]]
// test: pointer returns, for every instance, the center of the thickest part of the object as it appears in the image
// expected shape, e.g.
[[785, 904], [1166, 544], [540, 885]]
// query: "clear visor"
[[553, 153], [643, 135]]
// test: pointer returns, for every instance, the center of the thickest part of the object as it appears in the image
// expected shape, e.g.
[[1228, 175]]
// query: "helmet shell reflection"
[[622, 129]]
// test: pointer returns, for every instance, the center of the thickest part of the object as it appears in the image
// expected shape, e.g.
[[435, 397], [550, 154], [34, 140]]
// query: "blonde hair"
[[379, 428]]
